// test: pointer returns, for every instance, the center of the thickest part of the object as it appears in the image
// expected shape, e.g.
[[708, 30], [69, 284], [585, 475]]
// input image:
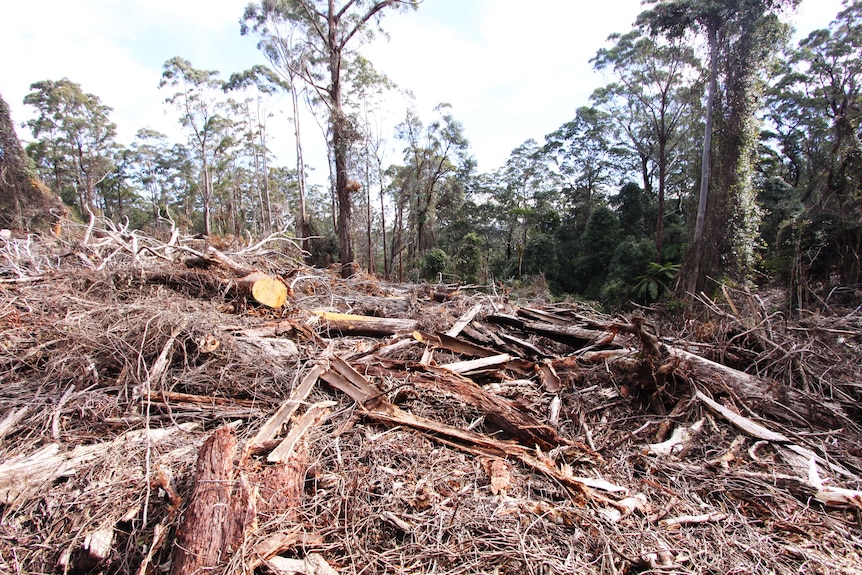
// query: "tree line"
[[717, 152]]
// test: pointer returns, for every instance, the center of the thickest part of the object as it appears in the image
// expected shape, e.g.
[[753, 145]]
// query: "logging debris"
[[156, 416]]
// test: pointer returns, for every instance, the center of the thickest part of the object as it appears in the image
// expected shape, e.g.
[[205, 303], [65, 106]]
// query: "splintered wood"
[[165, 424]]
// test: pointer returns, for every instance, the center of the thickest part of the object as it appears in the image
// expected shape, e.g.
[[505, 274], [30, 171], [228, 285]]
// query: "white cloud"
[[512, 70]]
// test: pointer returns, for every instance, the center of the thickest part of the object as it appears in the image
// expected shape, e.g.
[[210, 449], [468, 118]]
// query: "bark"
[[574, 336], [303, 225], [500, 411], [780, 402], [220, 509], [697, 243], [337, 324]]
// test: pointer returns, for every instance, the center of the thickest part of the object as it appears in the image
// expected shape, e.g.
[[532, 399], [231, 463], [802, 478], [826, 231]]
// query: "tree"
[[77, 138], [197, 99], [815, 115], [367, 109], [740, 34], [149, 150], [290, 58], [263, 83], [585, 158], [434, 155], [329, 29], [529, 183], [25, 202], [652, 103]]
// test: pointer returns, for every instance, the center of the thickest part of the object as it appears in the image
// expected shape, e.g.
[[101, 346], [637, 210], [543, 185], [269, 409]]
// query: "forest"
[[719, 152]]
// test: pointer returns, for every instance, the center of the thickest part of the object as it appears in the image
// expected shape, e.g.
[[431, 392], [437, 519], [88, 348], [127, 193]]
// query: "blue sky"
[[509, 73]]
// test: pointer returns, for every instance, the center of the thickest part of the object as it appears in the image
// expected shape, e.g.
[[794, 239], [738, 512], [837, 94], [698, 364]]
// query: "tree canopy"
[[715, 152]]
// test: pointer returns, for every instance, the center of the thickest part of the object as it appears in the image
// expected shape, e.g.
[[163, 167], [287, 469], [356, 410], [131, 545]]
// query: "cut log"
[[220, 509], [265, 289], [338, 324], [226, 499]]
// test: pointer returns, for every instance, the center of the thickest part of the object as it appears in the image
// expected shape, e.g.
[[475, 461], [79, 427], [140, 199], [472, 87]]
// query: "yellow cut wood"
[[265, 289]]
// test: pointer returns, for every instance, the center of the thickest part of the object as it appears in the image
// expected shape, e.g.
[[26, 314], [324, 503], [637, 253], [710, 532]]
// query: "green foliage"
[[656, 280], [468, 262], [815, 107], [629, 259], [75, 140], [433, 263], [586, 272]]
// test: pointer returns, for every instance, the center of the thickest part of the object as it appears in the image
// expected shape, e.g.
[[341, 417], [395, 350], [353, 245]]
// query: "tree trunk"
[[339, 145], [697, 244], [386, 264], [662, 176], [338, 324], [303, 228], [207, 198]]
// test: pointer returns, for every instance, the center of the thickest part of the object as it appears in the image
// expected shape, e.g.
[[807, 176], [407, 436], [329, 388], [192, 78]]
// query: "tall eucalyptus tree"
[[199, 101], [329, 31], [741, 35], [651, 101], [75, 138], [434, 155], [582, 151]]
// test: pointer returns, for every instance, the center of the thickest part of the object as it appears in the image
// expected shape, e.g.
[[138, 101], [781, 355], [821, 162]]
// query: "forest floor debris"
[[372, 428]]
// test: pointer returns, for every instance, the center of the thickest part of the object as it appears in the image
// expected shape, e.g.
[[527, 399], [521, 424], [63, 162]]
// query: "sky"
[[509, 73]]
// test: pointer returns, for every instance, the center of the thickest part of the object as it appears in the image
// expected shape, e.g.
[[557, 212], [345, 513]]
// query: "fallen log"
[[228, 495], [377, 408], [27, 475], [338, 324], [498, 410], [263, 288], [574, 336], [780, 402], [443, 341]]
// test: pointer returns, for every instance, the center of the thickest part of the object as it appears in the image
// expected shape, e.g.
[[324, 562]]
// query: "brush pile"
[[163, 409]]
